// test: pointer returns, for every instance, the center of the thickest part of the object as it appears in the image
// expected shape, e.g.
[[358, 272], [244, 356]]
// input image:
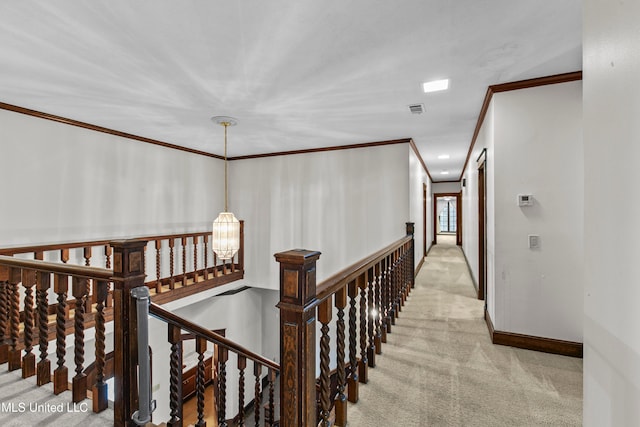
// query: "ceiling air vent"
[[416, 108]]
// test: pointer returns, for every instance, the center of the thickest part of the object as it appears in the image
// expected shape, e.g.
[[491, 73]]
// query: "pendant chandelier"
[[226, 227]]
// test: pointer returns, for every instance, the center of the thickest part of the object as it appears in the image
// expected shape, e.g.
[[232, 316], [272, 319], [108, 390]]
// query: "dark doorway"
[[482, 232], [424, 219]]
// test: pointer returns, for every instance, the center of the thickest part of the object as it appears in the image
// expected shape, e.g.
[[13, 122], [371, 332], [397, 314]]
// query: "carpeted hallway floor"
[[439, 367]]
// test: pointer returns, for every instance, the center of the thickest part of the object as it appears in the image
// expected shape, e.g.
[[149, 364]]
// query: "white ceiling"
[[296, 74]]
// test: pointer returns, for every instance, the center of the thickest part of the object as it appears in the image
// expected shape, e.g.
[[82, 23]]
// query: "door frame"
[[424, 220], [482, 226], [458, 197]]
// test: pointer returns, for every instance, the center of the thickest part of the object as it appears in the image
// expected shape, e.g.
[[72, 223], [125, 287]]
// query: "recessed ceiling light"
[[435, 85], [443, 156], [444, 173]]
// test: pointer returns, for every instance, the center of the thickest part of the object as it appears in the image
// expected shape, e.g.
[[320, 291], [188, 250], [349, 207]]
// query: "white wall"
[[270, 324], [470, 218], [65, 183], [345, 204], [538, 151], [446, 187], [611, 151], [533, 139], [470, 231], [417, 178]]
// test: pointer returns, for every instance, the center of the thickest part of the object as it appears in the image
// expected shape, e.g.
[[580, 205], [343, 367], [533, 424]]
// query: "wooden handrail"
[[53, 267], [332, 284], [183, 263], [71, 245], [160, 313], [372, 290]]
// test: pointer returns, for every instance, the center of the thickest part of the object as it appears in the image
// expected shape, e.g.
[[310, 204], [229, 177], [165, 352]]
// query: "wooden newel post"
[[412, 260], [128, 273], [297, 337]]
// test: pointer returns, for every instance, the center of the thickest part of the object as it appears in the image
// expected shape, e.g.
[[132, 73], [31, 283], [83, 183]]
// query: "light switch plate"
[[525, 200], [534, 241]]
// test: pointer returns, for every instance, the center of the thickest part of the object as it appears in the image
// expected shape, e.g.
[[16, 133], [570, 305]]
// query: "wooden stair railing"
[[29, 274], [175, 326], [374, 289], [181, 265]]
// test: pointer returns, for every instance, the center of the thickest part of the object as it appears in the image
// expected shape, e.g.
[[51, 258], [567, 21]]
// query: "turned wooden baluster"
[[353, 350], [206, 256], [64, 258], [39, 255], [271, 378], [340, 404], [394, 286], [224, 267], [15, 360], [405, 269], [215, 265], [201, 347], [175, 378], [184, 261], [371, 349], [42, 302], [390, 307], [400, 280], [158, 265], [241, 250], [403, 264], [172, 282], [324, 316], [397, 283], [240, 255], [412, 258], [242, 364], [29, 359], [79, 381], [377, 310], [4, 313], [389, 293], [195, 259], [407, 281], [223, 356], [363, 376], [99, 391], [384, 277], [257, 371], [90, 297], [108, 251], [408, 269], [64, 255], [60, 375]]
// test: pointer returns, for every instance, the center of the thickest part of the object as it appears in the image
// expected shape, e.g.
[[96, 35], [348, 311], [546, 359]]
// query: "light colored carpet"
[[439, 367], [23, 403]]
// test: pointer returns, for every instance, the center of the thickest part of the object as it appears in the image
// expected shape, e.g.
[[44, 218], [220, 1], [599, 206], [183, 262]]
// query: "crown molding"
[[89, 126], [322, 149], [517, 85]]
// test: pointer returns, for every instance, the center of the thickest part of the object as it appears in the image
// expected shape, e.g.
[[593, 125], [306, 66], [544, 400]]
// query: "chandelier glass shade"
[[226, 227], [226, 235]]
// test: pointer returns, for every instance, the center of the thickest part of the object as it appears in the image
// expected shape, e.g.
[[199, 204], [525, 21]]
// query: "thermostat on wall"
[[525, 199]]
